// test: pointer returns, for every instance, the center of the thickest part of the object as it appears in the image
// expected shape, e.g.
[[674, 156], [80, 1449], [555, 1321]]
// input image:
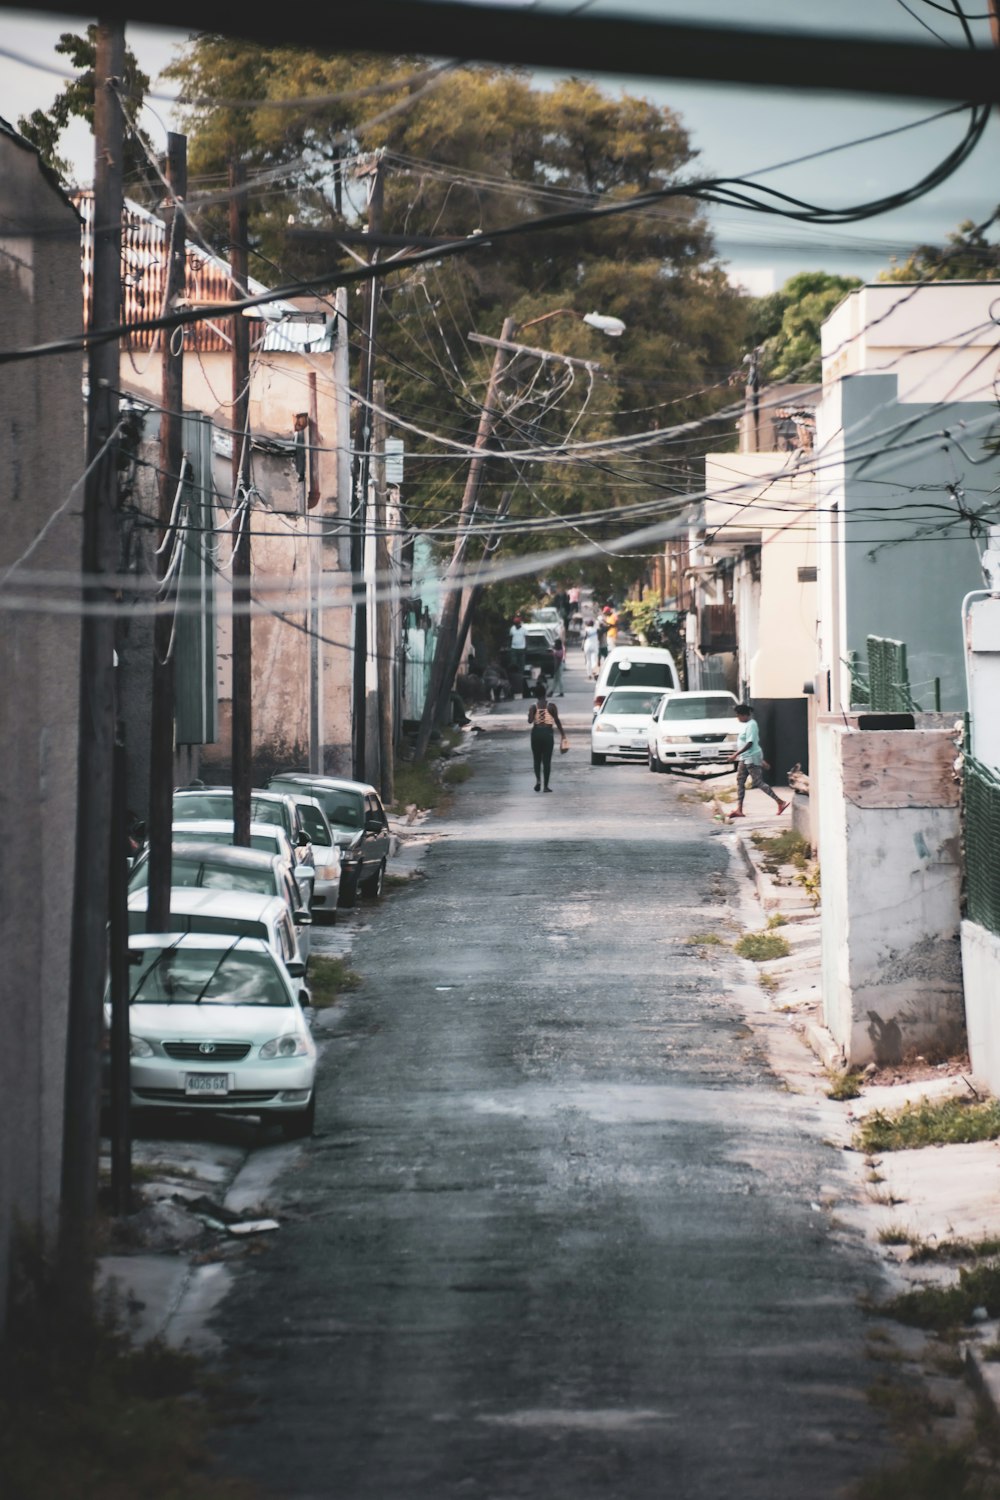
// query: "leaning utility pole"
[[88, 942], [440, 683], [161, 756], [242, 721], [361, 470], [383, 608]]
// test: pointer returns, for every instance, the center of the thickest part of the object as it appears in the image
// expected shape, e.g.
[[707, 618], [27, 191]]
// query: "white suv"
[[636, 667]]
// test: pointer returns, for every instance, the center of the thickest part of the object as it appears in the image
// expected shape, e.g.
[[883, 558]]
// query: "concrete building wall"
[[891, 867], [981, 976], [891, 568], [41, 458]]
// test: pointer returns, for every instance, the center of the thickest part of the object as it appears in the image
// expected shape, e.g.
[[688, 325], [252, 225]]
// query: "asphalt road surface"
[[557, 1236]]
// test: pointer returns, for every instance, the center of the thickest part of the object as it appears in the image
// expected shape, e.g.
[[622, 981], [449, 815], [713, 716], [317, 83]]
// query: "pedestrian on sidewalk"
[[543, 716], [750, 758], [559, 657], [591, 647]]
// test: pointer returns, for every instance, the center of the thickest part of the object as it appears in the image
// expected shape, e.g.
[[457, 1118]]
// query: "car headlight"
[[139, 1047], [677, 739], [328, 872], [606, 727], [291, 1045]]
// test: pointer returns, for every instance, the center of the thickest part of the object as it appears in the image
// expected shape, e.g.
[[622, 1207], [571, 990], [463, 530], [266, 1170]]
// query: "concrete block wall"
[[981, 974], [890, 851]]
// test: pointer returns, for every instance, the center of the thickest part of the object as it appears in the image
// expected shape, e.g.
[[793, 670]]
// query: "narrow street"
[[558, 1234]]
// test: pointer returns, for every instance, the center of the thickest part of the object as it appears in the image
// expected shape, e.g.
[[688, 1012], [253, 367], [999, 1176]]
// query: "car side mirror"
[[296, 968], [305, 999]]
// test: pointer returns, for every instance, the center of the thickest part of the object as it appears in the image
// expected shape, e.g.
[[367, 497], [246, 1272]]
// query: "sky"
[[735, 130]]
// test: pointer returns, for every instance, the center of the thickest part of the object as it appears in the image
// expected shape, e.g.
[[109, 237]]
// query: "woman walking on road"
[[591, 646], [751, 762], [559, 657], [543, 717]]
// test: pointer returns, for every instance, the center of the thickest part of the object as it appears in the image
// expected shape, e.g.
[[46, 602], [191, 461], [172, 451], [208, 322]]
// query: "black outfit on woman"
[[543, 717]]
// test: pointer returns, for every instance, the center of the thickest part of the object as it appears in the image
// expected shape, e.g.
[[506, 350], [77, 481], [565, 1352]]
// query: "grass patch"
[[894, 1234], [329, 978], [761, 946], [396, 882], [704, 940], [946, 1307], [931, 1471], [844, 1084], [768, 982], [83, 1413], [929, 1122], [955, 1250], [415, 782], [776, 919], [785, 848], [456, 774]]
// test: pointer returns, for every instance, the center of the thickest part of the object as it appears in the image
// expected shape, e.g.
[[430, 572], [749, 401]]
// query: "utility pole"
[[361, 470], [384, 632], [440, 683], [242, 720], [161, 757], [88, 942]]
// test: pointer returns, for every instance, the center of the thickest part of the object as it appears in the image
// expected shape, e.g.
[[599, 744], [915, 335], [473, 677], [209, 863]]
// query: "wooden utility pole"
[[440, 683], [161, 757], [384, 633], [242, 720], [361, 470], [88, 941]]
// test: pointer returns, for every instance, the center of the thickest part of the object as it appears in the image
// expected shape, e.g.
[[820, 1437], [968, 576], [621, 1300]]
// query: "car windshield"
[[203, 805], [269, 842], [214, 976], [346, 809], [641, 674], [698, 708], [632, 703], [221, 877]]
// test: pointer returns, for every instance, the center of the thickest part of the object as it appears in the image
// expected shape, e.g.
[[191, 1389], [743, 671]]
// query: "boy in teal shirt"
[[750, 758]]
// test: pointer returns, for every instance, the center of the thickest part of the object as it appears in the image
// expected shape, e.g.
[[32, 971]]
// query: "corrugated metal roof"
[[144, 263]]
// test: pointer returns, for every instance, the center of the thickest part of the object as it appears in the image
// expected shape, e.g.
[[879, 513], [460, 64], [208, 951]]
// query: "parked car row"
[[218, 1002], [641, 714]]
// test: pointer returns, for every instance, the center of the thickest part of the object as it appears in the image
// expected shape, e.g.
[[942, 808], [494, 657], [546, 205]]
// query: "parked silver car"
[[224, 867], [230, 913], [216, 1023]]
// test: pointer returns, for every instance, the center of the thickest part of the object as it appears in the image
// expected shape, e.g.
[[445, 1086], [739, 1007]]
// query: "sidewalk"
[[910, 1203]]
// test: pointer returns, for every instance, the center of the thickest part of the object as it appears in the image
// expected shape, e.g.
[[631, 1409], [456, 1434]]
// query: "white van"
[[636, 667]]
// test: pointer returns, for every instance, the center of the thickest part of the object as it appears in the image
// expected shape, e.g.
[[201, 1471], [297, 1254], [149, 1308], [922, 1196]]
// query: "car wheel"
[[348, 893], [654, 764], [296, 1127], [373, 885], [597, 760]]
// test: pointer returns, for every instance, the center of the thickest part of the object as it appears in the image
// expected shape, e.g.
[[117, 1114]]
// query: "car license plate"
[[638, 744], [207, 1083]]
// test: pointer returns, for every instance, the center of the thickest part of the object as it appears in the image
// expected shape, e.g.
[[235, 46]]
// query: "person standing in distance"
[[543, 717], [518, 646], [591, 648], [559, 657], [750, 762]]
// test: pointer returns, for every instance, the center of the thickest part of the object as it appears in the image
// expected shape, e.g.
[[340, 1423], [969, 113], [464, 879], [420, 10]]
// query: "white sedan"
[[622, 724], [215, 1023], [693, 729]]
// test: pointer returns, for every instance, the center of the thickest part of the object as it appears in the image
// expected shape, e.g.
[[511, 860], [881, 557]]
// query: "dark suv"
[[357, 818]]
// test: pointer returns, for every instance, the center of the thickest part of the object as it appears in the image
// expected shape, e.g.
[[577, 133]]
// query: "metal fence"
[[888, 677], [981, 817]]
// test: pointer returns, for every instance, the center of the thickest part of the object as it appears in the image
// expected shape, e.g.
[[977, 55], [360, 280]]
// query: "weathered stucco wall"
[[41, 457], [890, 844], [981, 975]]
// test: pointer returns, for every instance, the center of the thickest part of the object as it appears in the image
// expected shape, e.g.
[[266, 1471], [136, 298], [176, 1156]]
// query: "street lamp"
[[613, 327]]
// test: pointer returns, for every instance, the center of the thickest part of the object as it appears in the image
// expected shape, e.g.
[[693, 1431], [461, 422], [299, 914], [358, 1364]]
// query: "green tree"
[[464, 154], [75, 100], [967, 256], [786, 324]]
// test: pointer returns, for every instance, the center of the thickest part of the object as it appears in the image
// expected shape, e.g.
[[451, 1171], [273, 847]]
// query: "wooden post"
[[88, 941], [242, 719], [384, 631], [440, 683], [161, 756], [361, 469]]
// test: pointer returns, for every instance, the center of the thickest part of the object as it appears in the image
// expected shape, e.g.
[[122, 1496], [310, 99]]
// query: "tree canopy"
[[967, 255], [463, 152], [786, 325]]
